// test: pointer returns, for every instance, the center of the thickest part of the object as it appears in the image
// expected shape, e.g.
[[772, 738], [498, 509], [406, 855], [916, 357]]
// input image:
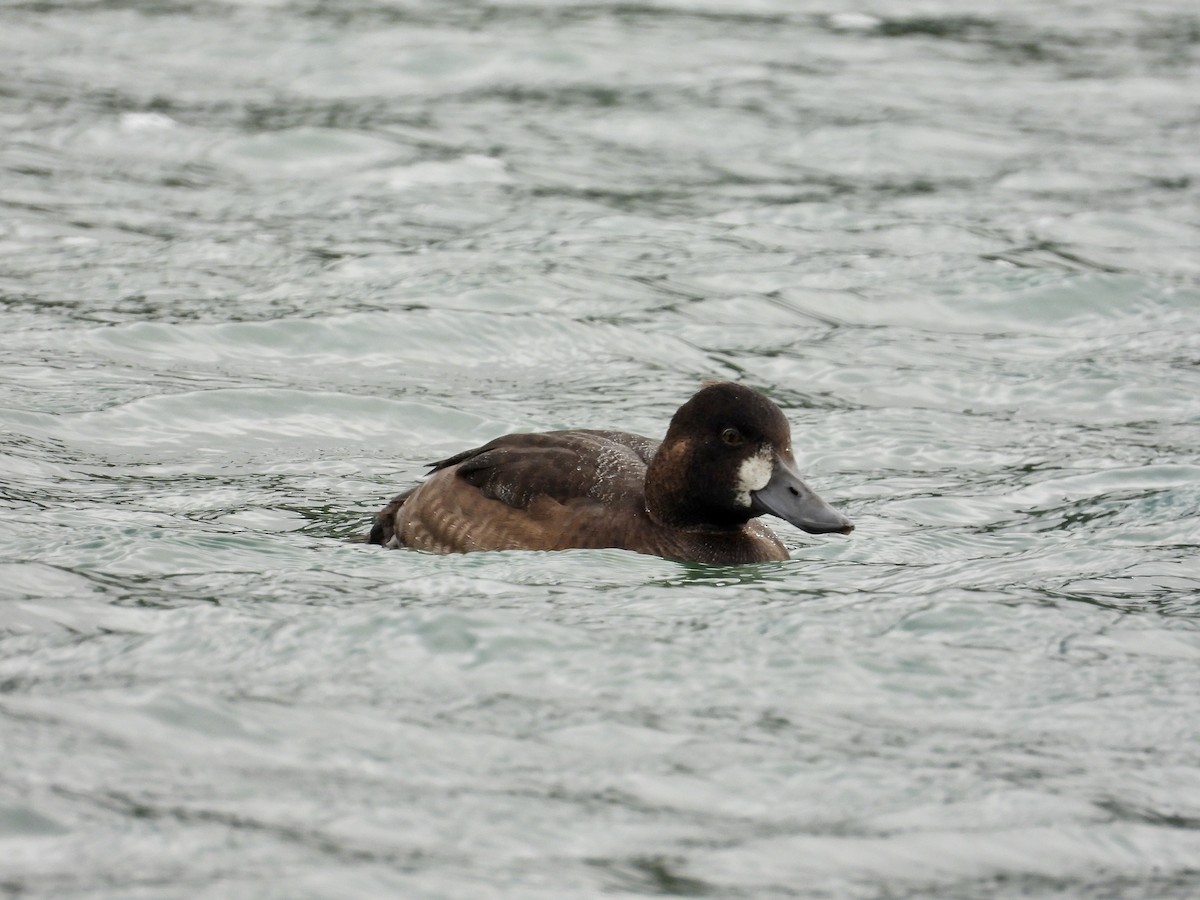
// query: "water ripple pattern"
[[261, 261]]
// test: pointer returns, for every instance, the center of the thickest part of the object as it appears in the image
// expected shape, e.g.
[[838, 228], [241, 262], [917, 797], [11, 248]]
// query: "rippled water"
[[260, 261]]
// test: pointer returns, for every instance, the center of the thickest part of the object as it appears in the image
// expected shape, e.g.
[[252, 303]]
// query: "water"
[[261, 261]]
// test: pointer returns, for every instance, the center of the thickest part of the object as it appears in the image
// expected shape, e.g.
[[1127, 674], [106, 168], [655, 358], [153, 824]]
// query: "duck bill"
[[788, 497]]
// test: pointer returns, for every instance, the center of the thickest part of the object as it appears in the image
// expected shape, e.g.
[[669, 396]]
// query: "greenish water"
[[259, 262]]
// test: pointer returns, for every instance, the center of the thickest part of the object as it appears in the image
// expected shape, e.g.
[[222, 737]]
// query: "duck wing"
[[565, 466]]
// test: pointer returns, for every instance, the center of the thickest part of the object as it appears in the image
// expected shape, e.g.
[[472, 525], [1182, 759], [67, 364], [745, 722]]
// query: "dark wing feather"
[[564, 465]]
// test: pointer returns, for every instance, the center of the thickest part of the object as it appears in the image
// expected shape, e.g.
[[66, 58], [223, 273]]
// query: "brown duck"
[[695, 497]]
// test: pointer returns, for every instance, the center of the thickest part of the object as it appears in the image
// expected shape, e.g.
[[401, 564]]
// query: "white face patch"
[[754, 473]]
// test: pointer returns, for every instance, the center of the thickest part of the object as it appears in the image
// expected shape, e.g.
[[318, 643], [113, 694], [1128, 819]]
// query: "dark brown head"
[[727, 458]]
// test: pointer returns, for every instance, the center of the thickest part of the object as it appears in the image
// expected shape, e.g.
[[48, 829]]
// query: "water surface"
[[259, 262]]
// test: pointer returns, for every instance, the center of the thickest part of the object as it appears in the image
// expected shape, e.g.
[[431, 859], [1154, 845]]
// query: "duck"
[[695, 496]]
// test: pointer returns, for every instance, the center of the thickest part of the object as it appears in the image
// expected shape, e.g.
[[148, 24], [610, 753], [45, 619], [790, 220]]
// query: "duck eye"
[[731, 436]]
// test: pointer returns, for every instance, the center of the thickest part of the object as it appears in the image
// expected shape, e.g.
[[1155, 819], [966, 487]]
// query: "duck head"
[[727, 458]]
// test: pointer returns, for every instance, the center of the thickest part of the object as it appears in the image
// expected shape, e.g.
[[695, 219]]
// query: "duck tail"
[[383, 529]]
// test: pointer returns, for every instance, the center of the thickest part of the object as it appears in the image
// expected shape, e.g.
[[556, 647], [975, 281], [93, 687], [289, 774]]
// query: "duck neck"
[[674, 501]]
